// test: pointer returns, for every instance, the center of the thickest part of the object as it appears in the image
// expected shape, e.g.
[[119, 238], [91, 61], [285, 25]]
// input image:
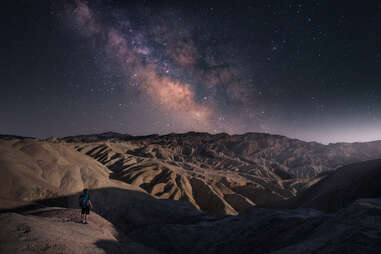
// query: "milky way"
[[158, 71]]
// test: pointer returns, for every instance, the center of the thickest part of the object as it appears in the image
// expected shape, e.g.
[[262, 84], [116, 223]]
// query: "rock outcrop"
[[343, 186]]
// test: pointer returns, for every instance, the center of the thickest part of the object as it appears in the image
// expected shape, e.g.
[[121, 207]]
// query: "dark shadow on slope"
[[343, 186], [111, 247], [176, 227], [125, 209], [115, 247]]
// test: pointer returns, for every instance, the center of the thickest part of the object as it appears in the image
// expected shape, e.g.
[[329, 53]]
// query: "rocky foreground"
[[354, 229], [176, 194]]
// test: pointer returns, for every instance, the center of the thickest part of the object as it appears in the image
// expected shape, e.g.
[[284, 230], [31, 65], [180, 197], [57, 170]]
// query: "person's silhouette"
[[85, 204]]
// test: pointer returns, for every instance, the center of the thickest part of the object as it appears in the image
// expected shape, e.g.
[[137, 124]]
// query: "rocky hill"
[[174, 194], [276, 154], [343, 186], [220, 173]]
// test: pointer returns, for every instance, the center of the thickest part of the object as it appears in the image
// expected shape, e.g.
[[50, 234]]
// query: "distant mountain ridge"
[[10, 137], [96, 137], [282, 155], [288, 156]]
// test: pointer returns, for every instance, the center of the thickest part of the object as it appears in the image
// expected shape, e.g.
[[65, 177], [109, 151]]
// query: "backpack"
[[84, 200]]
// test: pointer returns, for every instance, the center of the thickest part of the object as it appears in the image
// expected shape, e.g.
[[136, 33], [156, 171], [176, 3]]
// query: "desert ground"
[[189, 193]]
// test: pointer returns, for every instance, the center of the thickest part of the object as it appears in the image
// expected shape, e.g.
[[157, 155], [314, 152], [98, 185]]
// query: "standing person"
[[85, 204]]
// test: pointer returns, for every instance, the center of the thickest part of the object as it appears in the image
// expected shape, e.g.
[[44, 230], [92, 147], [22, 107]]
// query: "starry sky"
[[305, 69]]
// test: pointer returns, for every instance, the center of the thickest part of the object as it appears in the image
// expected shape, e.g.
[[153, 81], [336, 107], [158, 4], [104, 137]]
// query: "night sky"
[[305, 69]]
